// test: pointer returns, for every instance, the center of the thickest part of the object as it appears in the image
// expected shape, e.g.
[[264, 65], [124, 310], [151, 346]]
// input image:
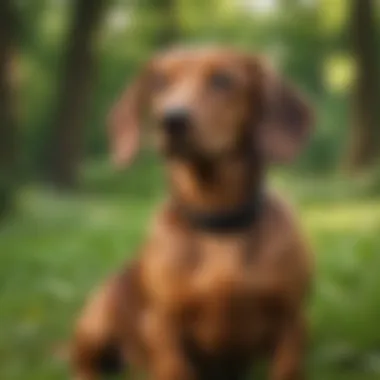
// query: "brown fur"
[[194, 304]]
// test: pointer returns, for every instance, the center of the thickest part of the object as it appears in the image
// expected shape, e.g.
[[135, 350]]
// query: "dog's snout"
[[176, 121]]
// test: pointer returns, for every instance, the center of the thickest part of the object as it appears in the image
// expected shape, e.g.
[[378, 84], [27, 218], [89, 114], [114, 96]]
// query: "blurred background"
[[67, 219]]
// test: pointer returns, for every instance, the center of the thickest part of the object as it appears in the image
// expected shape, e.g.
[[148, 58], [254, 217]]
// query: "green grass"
[[56, 248]]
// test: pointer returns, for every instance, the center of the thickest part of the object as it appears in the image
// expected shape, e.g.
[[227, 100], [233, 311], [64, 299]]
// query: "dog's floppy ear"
[[124, 121], [287, 118]]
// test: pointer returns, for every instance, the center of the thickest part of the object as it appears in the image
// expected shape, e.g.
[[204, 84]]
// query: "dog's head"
[[208, 102]]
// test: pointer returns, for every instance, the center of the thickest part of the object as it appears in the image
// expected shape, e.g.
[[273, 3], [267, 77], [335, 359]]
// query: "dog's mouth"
[[183, 147], [191, 148], [180, 143]]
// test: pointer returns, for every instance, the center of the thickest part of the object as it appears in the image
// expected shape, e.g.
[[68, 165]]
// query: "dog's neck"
[[218, 187]]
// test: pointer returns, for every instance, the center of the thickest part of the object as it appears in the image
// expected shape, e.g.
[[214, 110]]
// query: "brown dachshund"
[[221, 280]]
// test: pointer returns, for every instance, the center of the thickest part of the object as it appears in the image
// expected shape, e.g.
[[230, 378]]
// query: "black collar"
[[225, 221]]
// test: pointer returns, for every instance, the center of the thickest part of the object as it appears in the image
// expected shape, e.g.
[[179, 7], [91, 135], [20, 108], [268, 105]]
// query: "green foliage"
[[42, 30], [329, 137], [297, 36]]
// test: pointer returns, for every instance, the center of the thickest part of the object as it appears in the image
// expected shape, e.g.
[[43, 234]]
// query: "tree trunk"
[[7, 111], [364, 144], [66, 146]]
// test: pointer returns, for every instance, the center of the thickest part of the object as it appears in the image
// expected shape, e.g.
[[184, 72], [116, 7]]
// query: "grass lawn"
[[55, 248]]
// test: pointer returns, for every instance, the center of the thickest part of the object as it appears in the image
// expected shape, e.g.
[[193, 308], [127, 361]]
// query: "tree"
[[7, 111], [164, 16], [66, 146], [364, 144]]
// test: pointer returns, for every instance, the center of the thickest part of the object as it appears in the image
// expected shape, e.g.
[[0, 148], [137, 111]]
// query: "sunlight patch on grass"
[[359, 217]]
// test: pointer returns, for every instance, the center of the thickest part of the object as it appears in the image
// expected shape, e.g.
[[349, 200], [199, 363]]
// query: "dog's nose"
[[176, 121]]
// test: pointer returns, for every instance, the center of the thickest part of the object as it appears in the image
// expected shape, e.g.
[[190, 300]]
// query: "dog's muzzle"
[[176, 123]]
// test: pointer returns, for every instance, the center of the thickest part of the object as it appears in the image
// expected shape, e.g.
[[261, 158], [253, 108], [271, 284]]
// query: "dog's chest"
[[226, 291], [236, 299]]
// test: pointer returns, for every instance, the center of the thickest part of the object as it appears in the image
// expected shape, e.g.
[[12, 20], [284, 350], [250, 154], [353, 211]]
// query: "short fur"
[[197, 305]]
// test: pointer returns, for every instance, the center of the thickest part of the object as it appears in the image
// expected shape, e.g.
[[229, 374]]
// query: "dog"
[[222, 280]]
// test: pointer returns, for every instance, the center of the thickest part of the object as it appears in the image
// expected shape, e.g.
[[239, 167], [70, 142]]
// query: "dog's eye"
[[221, 81]]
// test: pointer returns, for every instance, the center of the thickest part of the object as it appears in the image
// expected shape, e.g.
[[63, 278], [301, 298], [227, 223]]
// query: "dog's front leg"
[[167, 358], [289, 355]]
